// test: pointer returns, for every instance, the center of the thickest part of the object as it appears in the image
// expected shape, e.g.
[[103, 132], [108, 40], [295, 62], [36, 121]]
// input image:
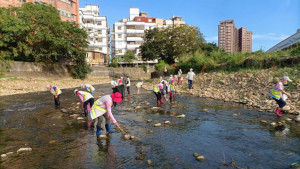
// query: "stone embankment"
[[251, 89]]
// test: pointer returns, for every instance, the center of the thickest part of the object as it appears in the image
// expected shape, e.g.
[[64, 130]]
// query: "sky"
[[270, 21]]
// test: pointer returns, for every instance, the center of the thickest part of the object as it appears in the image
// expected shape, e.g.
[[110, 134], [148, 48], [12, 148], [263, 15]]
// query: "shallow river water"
[[60, 141]]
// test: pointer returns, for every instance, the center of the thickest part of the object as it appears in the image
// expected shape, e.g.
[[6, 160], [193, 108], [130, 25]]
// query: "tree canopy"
[[35, 33], [171, 43]]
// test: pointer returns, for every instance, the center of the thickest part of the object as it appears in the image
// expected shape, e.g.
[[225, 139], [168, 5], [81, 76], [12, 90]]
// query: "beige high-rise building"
[[245, 40], [232, 39]]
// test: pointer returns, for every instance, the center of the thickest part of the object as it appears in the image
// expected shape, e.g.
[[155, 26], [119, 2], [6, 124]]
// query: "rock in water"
[[234, 114], [3, 156], [102, 136], [196, 154], [167, 122], [286, 108], [141, 157], [273, 124], [126, 136], [157, 125], [24, 150], [232, 164], [298, 118], [206, 110], [63, 110], [149, 121], [149, 162], [151, 131], [200, 158], [9, 153], [181, 116], [80, 118], [294, 165], [288, 119]]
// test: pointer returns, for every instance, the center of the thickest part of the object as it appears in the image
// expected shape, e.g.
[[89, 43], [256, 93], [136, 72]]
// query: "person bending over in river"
[[156, 91], [102, 108], [89, 88], [139, 86], [56, 93], [279, 95], [86, 99]]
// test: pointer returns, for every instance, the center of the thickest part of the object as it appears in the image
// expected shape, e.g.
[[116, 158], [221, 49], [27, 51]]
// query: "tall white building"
[[98, 34], [127, 34]]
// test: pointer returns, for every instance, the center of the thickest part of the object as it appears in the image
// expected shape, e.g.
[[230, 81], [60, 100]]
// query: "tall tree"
[[171, 43], [35, 33]]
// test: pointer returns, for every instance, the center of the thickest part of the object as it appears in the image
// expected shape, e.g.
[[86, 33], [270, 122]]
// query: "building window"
[[138, 19], [99, 39], [99, 23], [119, 28], [99, 31], [119, 51], [94, 57], [119, 36], [149, 20]]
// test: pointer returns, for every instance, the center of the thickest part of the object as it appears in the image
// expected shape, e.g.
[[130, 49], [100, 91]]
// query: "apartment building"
[[98, 34], [68, 9], [232, 39], [127, 34]]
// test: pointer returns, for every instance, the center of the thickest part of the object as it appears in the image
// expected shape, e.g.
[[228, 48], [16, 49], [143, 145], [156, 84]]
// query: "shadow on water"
[[59, 140]]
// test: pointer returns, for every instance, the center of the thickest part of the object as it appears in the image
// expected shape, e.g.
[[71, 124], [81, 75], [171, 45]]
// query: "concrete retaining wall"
[[57, 69]]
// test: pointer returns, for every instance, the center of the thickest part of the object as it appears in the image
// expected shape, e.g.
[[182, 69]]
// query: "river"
[[228, 132]]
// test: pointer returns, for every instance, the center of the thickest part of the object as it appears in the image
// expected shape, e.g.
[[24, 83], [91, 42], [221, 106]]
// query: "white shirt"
[[190, 76]]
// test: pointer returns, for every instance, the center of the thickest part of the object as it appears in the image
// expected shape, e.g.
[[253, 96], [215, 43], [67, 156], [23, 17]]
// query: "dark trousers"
[[128, 90], [56, 100], [158, 95], [100, 119], [85, 104], [190, 84], [281, 103]]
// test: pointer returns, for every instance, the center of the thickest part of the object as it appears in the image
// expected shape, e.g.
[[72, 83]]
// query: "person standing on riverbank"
[[89, 88], [190, 78], [56, 93], [128, 84], [139, 86], [102, 107], [87, 99], [179, 76], [279, 95], [165, 71]]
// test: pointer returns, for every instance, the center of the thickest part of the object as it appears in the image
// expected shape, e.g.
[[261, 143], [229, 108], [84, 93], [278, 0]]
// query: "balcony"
[[132, 46], [134, 31], [137, 39]]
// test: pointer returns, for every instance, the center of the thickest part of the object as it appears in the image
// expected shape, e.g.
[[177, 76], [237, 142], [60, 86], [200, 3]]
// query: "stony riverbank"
[[250, 88], [16, 84]]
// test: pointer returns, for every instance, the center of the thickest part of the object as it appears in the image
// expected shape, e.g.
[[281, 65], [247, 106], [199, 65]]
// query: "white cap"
[[191, 68], [286, 78], [47, 87], [75, 91]]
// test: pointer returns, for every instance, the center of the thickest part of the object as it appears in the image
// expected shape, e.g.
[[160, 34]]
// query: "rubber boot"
[[128, 96], [107, 126], [278, 111], [85, 113], [161, 101], [158, 103], [98, 132]]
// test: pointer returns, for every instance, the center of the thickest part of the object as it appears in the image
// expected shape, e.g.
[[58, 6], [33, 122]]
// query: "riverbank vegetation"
[[184, 47], [35, 33]]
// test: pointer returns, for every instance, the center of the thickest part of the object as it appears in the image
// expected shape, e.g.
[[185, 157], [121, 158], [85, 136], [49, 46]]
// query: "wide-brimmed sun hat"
[[116, 97]]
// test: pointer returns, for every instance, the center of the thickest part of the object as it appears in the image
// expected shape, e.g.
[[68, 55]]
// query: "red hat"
[[116, 97]]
